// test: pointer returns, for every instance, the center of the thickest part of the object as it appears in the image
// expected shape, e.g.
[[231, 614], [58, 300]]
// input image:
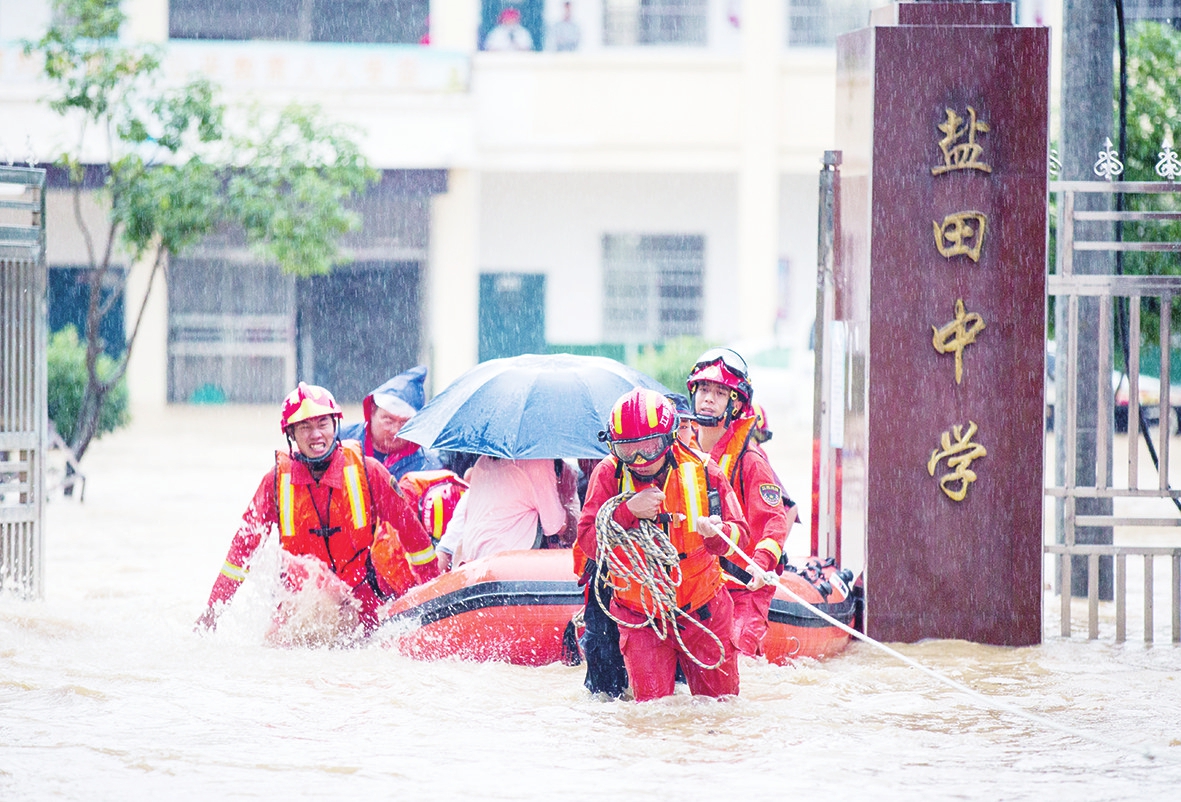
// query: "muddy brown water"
[[106, 693]]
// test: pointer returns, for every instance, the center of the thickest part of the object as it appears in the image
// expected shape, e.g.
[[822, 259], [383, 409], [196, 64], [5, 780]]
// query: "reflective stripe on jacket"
[[686, 492], [343, 536]]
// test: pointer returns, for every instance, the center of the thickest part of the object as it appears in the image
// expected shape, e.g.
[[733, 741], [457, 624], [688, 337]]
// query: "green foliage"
[[1154, 121], [180, 165], [288, 188], [1154, 97], [178, 170], [66, 363], [670, 362]]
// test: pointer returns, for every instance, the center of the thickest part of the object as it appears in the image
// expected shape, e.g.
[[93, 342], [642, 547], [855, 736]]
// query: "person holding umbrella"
[[656, 520], [387, 409], [330, 502], [509, 505], [719, 385]]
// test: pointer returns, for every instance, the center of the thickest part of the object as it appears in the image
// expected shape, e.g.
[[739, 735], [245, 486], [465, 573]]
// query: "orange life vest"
[[686, 492], [391, 562], [343, 536], [739, 434], [435, 494]]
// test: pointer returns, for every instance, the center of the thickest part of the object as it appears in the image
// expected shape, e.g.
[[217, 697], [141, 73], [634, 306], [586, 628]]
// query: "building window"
[[652, 286], [1165, 11], [654, 22], [354, 21], [818, 23]]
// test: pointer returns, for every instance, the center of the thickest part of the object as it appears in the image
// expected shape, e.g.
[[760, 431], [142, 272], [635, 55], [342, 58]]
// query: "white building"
[[660, 179]]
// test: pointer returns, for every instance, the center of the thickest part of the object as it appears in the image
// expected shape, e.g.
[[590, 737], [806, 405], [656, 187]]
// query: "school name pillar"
[[942, 120]]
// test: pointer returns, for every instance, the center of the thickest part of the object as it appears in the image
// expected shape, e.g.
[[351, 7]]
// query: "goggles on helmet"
[[733, 362], [642, 451]]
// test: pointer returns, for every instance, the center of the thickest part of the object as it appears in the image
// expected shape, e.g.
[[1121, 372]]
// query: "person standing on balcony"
[[509, 33], [331, 503], [564, 35], [387, 409], [719, 385]]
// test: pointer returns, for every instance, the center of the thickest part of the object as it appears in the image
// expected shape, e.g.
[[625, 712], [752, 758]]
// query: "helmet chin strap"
[[723, 420], [321, 462]]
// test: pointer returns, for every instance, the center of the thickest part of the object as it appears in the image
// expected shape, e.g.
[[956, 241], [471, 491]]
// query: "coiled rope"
[[1147, 751], [644, 556]]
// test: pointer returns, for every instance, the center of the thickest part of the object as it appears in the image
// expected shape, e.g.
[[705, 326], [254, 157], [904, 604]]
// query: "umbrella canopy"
[[527, 407]]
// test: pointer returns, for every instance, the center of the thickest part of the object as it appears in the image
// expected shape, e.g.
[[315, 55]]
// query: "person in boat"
[[331, 502], [434, 496], [720, 388], [670, 487], [510, 505], [387, 409]]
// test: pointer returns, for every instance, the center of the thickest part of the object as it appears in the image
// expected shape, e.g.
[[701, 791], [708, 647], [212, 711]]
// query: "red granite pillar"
[[942, 118]]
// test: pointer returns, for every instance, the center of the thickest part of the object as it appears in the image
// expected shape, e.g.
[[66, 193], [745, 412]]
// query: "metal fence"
[[1128, 482], [23, 425]]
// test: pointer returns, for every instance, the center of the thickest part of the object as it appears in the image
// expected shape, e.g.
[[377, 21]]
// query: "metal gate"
[[1100, 294], [23, 421], [1079, 295]]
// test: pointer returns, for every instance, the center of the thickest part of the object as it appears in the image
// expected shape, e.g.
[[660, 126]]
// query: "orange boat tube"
[[516, 606], [794, 631], [510, 607]]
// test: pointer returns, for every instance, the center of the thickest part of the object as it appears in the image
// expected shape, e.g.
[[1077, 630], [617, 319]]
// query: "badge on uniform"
[[397, 488], [771, 494]]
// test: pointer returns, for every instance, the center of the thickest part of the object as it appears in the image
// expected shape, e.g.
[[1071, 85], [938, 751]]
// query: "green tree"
[[66, 362], [669, 362], [175, 170], [1154, 122]]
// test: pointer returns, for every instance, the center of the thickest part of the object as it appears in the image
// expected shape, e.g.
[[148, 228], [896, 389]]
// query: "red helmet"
[[437, 493], [642, 427], [308, 401], [762, 432], [725, 367]]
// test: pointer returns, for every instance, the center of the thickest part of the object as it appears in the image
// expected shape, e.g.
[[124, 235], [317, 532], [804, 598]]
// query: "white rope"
[[644, 556], [1147, 751]]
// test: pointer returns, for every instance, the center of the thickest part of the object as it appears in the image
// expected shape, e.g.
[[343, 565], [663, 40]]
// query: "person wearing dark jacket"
[[387, 409]]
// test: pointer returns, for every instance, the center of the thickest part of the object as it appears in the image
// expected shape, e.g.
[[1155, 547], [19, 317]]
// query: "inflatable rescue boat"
[[522, 607]]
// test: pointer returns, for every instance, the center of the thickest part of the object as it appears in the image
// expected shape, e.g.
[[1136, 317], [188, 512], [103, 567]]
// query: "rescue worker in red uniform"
[[694, 505], [719, 385], [435, 495], [331, 502]]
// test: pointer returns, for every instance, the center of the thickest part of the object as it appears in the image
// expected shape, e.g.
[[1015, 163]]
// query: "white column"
[[147, 368], [453, 284], [758, 177], [455, 24], [147, 20]]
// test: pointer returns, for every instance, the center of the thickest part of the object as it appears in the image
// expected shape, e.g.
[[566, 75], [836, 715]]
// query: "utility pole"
[[1088, 43]]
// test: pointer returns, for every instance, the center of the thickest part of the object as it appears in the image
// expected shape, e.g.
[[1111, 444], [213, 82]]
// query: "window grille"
[[818, 23], [653, 286], [655, 22], [354, 21], [1168, 11]]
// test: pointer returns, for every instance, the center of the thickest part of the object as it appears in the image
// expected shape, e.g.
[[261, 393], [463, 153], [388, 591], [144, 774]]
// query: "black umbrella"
[[527, 407]]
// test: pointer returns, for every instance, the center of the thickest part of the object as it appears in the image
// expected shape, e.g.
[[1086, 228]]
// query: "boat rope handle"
[[646, 557], [1147, 751]]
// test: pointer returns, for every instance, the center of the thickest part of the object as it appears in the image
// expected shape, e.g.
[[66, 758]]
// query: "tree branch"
[[121, 368], [85, 229]]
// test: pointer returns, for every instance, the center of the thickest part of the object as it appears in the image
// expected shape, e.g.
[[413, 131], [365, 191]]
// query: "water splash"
[[291, 601]]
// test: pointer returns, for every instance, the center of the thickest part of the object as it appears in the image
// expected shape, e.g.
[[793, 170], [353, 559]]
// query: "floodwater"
[[106, 693]]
